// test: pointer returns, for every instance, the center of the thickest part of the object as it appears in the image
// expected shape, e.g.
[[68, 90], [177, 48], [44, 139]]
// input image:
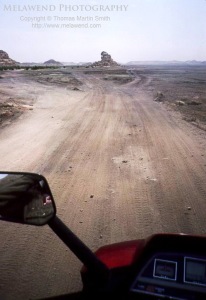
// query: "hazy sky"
[[35, 31]]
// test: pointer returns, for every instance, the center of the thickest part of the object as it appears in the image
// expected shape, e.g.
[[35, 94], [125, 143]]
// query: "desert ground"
[[123, 152]]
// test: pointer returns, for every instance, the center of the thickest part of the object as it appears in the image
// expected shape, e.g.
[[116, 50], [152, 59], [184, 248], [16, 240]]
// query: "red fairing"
[[120, 254]]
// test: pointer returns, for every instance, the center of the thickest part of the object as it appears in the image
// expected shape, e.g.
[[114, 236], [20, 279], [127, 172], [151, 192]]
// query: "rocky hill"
[[52, 62], [106, 61], [5, 60]]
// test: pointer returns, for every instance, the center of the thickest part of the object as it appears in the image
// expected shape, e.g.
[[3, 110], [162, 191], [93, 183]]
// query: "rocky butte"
[[106, 61], [5, 60]]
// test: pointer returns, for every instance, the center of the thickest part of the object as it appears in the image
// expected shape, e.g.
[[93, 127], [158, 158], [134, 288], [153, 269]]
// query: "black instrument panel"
[[172, 275]]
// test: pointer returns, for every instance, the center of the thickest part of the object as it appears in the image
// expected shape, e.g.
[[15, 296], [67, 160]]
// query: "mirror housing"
[[26, 198]]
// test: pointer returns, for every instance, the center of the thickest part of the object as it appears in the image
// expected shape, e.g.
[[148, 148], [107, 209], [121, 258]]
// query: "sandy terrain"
[[121, 166]]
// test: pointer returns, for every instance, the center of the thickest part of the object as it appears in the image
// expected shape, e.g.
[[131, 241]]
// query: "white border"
[[162, 277], [193, 259]]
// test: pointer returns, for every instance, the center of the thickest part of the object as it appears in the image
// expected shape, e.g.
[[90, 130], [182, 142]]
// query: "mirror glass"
[[25, 198]]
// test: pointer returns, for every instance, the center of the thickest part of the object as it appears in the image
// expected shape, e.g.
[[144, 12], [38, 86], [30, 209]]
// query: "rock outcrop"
[[106, 61], [5, 60]]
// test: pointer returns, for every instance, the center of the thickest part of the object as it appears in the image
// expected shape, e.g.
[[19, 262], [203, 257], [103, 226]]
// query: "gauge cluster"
[[172, 275]]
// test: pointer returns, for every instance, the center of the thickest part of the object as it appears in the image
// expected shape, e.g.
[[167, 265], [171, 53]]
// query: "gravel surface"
[[121, 166]]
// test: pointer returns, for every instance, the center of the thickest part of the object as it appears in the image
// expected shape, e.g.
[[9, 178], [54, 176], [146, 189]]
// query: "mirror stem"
[[86, 256]]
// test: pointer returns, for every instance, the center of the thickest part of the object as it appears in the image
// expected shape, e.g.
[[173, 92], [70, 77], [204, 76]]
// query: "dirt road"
[[120, 166]]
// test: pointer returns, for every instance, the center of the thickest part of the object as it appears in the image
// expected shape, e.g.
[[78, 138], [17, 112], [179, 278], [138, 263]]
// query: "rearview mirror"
[[25, 198]]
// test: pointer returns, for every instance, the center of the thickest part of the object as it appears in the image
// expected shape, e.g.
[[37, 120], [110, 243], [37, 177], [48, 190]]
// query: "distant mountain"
[[76, 64], [69, 63], [171, 62], [30, 64], [195, 62], [52, 62], [81, 63]]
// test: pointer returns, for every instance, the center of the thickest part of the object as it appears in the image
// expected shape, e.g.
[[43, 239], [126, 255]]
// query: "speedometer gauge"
[[165, 269]]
